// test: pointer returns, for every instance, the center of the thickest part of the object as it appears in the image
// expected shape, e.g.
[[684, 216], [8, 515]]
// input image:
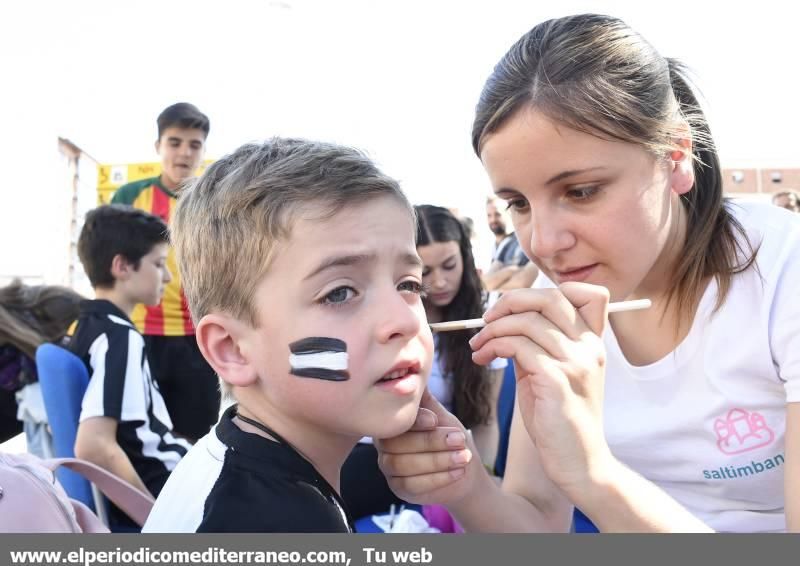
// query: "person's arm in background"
[[498, 275], [487, 435], [97, 443], [522, 278]]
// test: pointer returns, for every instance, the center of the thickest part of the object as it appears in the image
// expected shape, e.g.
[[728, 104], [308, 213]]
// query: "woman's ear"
[[682, 172], [220, 339]]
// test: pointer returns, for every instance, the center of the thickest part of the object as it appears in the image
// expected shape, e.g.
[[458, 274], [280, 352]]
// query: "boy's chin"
[[397, 425]]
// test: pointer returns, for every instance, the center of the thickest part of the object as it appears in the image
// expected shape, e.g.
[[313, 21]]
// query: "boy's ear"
[[682, 174], [121, 268], [220, 339]]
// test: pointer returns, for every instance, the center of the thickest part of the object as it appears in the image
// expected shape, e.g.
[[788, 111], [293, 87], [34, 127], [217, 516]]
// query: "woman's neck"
[[647, 336], [659, 282]]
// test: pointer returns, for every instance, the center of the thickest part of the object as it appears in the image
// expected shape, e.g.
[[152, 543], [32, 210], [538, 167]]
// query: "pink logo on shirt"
[[741, 431]]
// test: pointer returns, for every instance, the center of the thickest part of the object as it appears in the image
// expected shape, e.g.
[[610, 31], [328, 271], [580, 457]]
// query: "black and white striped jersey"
[[121, 388], [235, 481]]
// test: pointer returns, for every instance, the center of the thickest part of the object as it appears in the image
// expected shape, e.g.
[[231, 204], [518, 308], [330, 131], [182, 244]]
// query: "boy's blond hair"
[[229, 222]]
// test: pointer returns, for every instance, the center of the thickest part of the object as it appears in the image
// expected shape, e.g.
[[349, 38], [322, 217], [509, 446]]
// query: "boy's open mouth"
[[400, 371]]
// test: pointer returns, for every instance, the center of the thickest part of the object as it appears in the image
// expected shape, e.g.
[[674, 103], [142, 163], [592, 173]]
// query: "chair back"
[[63, 378]]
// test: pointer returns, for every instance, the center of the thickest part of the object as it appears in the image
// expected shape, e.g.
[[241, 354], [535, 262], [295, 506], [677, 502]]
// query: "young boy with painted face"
[[301, 271]]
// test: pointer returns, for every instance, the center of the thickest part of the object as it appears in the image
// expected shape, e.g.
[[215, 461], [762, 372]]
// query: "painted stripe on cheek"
[[319, 358]]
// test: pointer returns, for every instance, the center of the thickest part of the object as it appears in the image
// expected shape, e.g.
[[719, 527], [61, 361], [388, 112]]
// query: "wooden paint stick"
[[480, 323]]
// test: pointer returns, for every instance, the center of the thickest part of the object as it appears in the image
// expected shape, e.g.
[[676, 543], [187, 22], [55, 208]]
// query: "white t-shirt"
[[706, 422]]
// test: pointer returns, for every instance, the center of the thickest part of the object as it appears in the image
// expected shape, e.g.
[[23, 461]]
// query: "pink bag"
[[32, 501]]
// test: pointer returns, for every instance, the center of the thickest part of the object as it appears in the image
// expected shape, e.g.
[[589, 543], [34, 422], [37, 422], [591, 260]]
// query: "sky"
[[398, 80]]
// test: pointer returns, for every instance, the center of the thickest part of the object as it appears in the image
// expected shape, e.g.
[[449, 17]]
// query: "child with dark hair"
[[186, 380], [124, 425]]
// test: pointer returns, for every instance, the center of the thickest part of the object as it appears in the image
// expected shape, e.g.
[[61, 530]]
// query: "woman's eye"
[[582, 193], [518, 205], [412, 286], [339, 295], [449, 266]]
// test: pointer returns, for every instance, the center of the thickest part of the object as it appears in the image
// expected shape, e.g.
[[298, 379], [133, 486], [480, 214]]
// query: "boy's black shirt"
[[248, 483]]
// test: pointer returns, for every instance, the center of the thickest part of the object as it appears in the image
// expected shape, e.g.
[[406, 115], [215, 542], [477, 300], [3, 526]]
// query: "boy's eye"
[[339, 295], [411, 286]]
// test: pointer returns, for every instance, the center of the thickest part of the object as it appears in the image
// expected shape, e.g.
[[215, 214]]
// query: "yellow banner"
[[112, 177]]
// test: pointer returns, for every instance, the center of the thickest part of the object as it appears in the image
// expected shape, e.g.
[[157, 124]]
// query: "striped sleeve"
[[116, 365]]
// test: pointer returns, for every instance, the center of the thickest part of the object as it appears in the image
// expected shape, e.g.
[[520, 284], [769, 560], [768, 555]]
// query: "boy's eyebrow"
[[339, 261], [355, 259], [413, 260]]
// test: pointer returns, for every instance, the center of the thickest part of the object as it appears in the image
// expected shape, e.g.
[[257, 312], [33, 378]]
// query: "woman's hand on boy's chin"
[[432, 462]]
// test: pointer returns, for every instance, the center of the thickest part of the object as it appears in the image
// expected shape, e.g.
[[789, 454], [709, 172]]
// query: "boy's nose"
[[397, 319], [167, 275]]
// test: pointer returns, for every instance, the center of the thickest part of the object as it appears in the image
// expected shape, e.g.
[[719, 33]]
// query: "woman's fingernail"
[[455, 439], [461, 457]]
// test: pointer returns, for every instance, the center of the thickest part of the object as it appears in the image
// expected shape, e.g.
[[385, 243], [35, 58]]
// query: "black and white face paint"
[[320, 358]]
